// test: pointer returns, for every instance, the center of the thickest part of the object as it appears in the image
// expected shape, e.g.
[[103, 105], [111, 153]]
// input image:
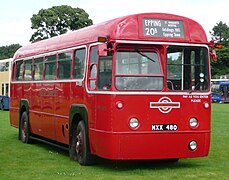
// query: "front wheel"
[[24, 128], [82, 145]]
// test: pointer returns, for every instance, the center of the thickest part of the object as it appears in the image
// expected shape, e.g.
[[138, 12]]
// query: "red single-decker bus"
[[135, 87]]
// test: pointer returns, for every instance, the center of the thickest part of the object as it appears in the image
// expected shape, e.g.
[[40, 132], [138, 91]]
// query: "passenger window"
[[19, 70], [50, 67], [28, 70], [79, 63], [38, 69], [64, 65]]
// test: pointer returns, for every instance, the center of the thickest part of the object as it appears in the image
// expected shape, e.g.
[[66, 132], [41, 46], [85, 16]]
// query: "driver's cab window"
[[93, 68], [100, 71], [105, 72]]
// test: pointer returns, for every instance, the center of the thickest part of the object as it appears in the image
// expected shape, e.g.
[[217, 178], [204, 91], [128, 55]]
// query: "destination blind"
[[163, 28]]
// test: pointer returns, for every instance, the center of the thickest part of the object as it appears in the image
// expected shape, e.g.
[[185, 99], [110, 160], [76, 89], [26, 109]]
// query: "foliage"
[[58, 20], [220, 34], [221, 66], [8, 51], [40, 161]]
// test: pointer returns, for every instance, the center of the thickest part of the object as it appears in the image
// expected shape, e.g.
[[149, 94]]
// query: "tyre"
[[24, 132], [82, 145]]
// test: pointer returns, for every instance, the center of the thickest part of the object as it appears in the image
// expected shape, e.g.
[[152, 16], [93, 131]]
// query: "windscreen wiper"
[[144, 55]]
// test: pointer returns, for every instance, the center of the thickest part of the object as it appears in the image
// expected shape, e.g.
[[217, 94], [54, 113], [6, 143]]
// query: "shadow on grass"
[[126, 165], [49, 147]]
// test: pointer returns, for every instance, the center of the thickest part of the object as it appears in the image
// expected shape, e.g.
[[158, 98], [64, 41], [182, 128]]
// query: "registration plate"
[[164, 127]]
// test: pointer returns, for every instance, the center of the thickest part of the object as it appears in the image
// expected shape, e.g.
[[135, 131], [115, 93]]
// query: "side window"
[[28, 70], [50, 67], [64, 65], [79, 63], [38, 69], [93, 68], [19, 71]]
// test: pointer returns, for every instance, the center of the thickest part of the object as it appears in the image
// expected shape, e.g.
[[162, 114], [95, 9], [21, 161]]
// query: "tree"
[[221, 66], [8, 51], [58, 20], [220, 34]]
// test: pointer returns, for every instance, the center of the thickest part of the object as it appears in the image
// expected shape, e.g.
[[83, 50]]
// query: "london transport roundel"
[[165, 105]]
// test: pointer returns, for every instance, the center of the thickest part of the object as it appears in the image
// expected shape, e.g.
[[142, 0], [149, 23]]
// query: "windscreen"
[[138, 70], [187, 68]]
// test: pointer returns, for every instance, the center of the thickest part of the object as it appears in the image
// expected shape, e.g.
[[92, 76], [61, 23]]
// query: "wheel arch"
[[78, 112], [24, 107]]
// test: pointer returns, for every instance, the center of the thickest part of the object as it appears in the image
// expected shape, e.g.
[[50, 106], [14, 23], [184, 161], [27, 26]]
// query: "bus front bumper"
[[140, 146]]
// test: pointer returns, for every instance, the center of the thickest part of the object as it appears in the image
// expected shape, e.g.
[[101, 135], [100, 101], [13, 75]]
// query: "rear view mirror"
[[213, 55], [102, 49]]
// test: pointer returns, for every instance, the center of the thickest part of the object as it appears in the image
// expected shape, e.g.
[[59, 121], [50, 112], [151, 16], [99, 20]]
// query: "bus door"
[[99, 80], [92, 84]]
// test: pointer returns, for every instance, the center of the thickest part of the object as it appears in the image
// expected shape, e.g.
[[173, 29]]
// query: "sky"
[[15, 23]]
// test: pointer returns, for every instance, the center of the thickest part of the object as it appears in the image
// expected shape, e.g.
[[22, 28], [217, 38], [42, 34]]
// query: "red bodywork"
[[110, 135]]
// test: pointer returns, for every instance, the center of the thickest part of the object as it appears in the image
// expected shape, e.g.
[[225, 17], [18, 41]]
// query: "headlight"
[[193, 122], [134, 123], [192, 145]]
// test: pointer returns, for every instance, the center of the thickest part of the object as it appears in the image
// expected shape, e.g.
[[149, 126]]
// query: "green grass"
[[40, 161]]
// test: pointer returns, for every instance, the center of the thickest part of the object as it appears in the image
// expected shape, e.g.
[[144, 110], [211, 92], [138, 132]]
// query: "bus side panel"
[[16, 90], [35, 109], [14, 117], [103, 112], [41, 111], [101, 121], [47, 96], [61, 111]]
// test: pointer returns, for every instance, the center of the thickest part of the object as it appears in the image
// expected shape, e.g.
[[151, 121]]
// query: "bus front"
[[157, 105]]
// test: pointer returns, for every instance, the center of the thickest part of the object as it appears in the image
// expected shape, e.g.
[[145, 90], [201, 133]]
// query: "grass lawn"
[[40, 161]]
